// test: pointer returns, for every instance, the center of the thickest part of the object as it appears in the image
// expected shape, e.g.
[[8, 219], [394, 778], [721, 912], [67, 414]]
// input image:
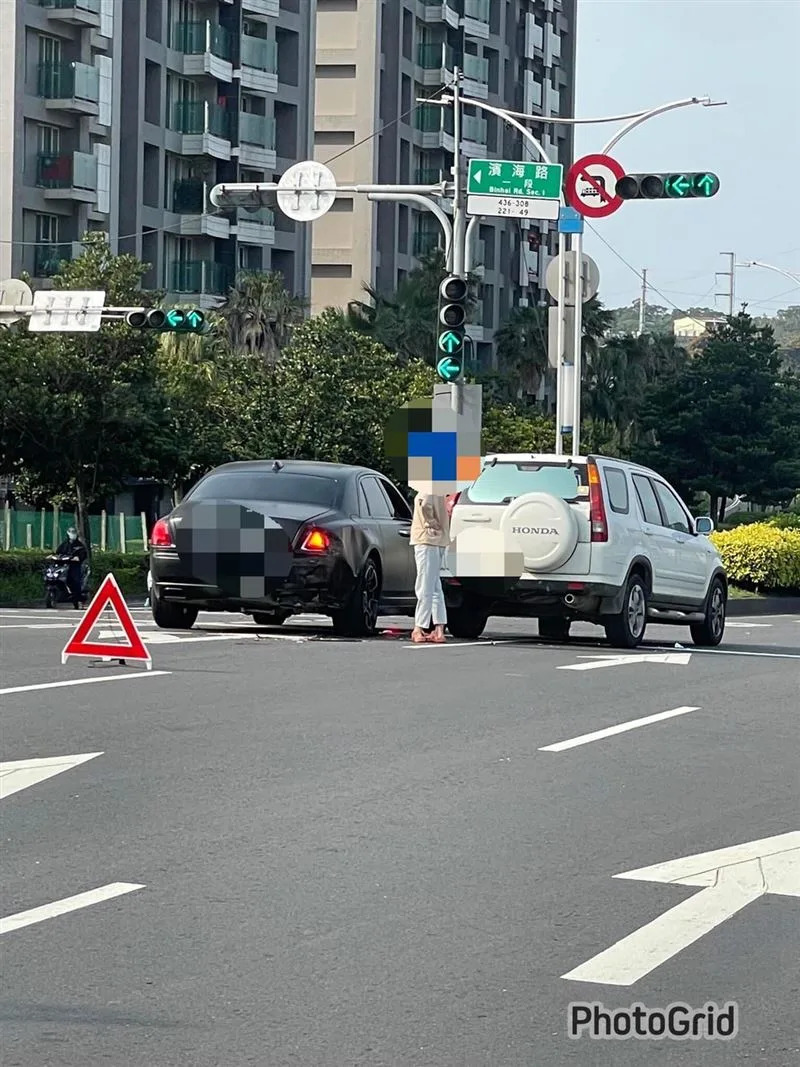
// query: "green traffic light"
[[705, 184], [450, 342], [677, 186], [174, 319], [448, 369]]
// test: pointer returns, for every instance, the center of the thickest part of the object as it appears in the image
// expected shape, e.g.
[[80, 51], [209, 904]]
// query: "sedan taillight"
[[161, 535], [316, 541]]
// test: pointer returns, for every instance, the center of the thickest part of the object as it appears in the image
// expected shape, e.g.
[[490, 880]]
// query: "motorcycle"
[[57, 591]]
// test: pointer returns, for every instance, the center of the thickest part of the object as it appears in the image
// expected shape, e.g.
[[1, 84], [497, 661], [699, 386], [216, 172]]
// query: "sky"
[[637, 54]]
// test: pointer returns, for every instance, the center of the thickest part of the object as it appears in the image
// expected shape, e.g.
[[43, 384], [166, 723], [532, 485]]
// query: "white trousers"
[[428, 589]]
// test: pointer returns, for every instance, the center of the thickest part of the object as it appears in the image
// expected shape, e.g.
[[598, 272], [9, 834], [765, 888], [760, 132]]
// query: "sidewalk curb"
[[766, 605]]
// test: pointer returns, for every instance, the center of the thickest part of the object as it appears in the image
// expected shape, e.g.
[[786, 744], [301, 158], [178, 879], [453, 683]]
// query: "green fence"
[[45, 529]]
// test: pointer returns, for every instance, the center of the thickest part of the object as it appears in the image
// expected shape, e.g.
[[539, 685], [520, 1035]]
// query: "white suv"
[[588, 538]]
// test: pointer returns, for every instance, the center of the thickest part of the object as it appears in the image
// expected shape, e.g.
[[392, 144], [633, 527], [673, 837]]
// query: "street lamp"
[[768, 266]]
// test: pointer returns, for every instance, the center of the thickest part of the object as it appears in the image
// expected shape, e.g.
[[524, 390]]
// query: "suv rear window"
[[503, 482], [267, 485]]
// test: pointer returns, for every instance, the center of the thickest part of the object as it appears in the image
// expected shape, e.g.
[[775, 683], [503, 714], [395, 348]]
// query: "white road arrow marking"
[[731, 879], [598, 663], [20, 774]]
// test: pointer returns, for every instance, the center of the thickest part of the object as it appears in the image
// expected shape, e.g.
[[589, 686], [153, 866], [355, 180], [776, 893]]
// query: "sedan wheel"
[[360, 617]]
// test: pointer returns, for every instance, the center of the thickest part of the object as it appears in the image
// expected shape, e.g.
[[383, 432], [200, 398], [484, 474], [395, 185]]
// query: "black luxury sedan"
[[273, 538]]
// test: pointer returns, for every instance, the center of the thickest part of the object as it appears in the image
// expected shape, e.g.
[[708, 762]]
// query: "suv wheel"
[[468, 621], [708, 633], [360, 616], [626, 630], [173, 616], [554, 628]]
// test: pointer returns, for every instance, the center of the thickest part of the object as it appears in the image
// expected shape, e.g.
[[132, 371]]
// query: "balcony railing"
[[477, 9], [435, 56], [195, 38], [200, 276], [189, 196], [428, 175], [425, 241], [263, 216], [430, 118], [475, 68], [474, 128], [259, 53], [256, 129], [66, 170], [198, 117], [70, 5], [48, 258], [68, 81]]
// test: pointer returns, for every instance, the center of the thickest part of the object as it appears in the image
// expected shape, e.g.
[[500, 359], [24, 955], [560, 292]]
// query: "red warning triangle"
[[78, 645]]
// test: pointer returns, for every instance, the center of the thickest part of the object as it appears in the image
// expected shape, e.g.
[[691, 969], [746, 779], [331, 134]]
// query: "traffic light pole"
[[631, 121], [459, 224]]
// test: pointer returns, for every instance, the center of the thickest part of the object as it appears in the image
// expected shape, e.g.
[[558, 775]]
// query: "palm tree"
[[522, 349], [259, 314]]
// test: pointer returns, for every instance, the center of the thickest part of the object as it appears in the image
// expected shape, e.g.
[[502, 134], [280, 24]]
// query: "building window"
[[48, 141], [47, 229]]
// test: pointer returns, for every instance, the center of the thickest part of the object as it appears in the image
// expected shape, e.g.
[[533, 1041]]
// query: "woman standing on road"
[[430, 536]]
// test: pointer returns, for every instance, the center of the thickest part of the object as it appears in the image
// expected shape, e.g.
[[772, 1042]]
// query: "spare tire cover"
[[544, 529]]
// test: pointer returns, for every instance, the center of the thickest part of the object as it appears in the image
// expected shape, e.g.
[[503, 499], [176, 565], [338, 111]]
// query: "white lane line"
[[62, 907], [38, 626], [16, 775], [633, 724], [80, 681], [743, 625]]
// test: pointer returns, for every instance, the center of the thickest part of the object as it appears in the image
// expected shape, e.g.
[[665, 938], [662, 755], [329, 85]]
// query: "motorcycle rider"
[[75, 549]]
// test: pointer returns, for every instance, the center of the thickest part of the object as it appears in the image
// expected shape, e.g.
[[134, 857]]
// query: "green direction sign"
[[504, 177], [450, 342], [448, 369]]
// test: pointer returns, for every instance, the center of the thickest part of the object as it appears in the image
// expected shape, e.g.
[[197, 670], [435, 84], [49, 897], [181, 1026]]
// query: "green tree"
[[507, 429], [260, 314], [81, 412], [727, 422], [335, 390]]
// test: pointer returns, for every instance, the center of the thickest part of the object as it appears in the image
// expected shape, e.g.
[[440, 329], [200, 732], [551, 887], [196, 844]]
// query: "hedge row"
[[784, 520], [761, 556], [21, 574]]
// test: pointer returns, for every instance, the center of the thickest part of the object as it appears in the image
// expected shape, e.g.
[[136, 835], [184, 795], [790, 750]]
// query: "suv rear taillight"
[[161, 535], [450, 502], [597, 505], [316, 541]]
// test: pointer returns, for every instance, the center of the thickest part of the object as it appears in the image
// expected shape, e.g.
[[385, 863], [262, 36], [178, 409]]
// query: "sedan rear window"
[[505, 481], [268, 485]]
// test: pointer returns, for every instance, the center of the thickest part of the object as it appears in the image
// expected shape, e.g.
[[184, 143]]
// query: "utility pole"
[[730, 290], [642, 303], [459, 223]]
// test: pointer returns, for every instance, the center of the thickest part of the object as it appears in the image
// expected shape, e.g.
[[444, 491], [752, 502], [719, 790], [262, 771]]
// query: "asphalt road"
[[370, 853]]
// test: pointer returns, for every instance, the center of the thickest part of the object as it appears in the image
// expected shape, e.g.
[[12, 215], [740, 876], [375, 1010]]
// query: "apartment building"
[[59, 129], [127, 114], [374, 60]]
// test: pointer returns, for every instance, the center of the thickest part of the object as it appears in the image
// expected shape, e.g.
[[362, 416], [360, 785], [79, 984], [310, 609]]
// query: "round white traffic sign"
[[14, 293], [591, 278], [591, 186], [306, 191]]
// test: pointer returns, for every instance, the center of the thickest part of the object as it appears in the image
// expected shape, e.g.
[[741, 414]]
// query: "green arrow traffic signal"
[[448, 368], [173, 320], [675, 186], [453, 296]]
